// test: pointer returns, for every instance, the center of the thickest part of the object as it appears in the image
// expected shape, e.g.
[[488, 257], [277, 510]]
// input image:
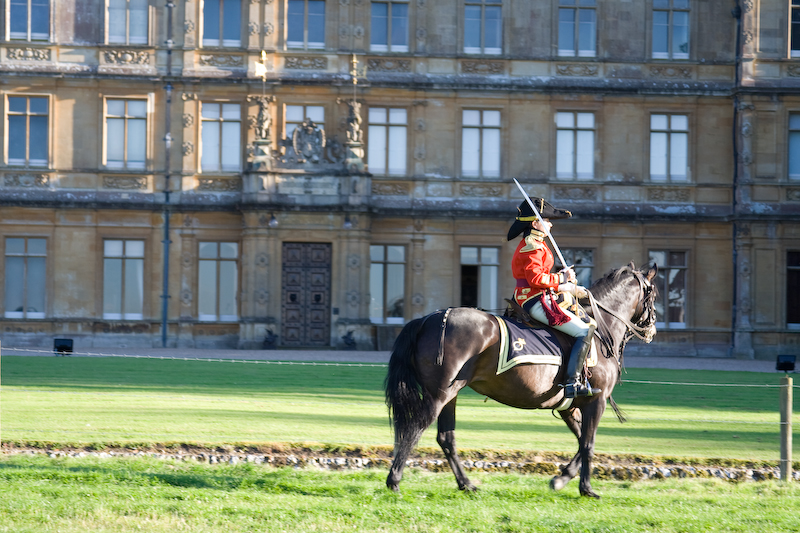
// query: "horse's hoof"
[[469, 488], [558, 482], [590, 494]]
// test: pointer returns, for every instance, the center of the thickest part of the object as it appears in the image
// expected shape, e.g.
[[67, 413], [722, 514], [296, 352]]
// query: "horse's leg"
[[572, 419], [592, 412], [446, 437]]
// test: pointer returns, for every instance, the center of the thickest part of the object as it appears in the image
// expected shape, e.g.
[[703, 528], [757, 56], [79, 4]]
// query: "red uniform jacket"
[[530, 266]]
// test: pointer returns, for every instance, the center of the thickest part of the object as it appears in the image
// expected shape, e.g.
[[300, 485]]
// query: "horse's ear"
[[651, 273], [632, 266]]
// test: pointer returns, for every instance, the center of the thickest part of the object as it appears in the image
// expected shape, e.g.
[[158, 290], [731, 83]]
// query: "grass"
[[100, 402], [44, 495]]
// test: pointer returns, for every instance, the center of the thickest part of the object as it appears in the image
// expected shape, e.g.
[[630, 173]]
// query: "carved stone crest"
[[793, 195], [668, 195], [127, 57], [658, 71], [482, 67], [481, 191], [793, 71], [27, 180], [125, 182], [577, 69], [380, 64], [307, 63], [28, 54], [308, 141], [390, 189], [209, 60], [575, 193], [219, 184]]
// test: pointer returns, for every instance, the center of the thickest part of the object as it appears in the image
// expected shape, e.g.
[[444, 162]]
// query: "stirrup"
[[575, 390]]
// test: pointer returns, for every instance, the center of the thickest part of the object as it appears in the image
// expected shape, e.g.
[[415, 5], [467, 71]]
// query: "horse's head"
[[630, 295]]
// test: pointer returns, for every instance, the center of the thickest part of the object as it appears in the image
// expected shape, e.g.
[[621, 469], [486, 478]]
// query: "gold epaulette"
[[532, 243]]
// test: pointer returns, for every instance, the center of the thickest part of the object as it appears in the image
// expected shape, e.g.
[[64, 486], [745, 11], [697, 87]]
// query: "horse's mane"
[[610, 280]]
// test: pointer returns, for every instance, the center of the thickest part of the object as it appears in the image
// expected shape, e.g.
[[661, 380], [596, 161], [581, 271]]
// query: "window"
[[220, 137], [28, 130], [669, 146], [480, 143], [792, 290], [387, 141], [222, 23], [795, 29], [483, 27], [671, 283], [126, 134], [25, 277], [305, 22], [127, 21], [217, 281], [389, 27], [479, 277], [577, 28], [387, 284], [296, 114], [123, 279], [671, 29], [575, 145], [581, 261], [29, 20], [794, 146]]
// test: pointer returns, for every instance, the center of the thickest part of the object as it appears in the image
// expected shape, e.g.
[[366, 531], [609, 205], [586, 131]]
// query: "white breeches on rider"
[[574, 328]]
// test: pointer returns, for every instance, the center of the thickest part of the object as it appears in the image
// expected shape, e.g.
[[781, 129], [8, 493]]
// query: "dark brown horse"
[[436, 356]]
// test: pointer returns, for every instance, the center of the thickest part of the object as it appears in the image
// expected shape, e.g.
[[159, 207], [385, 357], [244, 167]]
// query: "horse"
[[436, 356]]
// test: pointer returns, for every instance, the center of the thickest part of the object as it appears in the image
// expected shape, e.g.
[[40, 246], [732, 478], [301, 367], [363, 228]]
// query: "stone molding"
[[28, 54], [221, 60], [575, 192], [380, 64], [125, 182], [482, 67], [219, 184], [481, 191], [793, 195], [126, 57], [28, 181], [577, 69], [668, 195], [306, 63], [671, 72], [390, 189]]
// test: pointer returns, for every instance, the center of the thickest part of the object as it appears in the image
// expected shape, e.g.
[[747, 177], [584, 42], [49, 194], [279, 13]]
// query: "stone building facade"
[[208, 174]]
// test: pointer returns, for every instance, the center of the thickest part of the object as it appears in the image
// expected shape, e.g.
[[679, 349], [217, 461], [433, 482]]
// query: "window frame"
[[793, 137], [490, 267], [128, 11], [287, 131], [218, 261], [664, 271], [671, 29], [306, 44], [220, 121], [387, 127], [124, 257], [584, 271], [390, 27], [221, 42], [577, 7], [25, 314], [792, 287], [29, 34], [794, 29], [483, 49], [126, 164], [576, 128], [671, 134], [385, 263], [482, 127], [27, 163]]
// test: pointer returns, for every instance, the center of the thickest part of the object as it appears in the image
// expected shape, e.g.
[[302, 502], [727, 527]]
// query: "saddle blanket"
[[520, 344]]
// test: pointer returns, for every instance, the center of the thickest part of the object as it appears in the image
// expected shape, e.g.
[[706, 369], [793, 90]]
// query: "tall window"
[[795, 29], [575, 145], [305, 24], [220, 137], [479, 276], [387, 284], [794, 146], [126, 133], [127, 21], [25, 277], [577, 28], [123, 279], [28, 130], [222, 23], [29, 20], [480, 143], [671, 283], [296, 114], [387, 141], [671, 29], [669, 147], [792, 290], [581, 261], [389, 27], [483, 27], [217, 281]]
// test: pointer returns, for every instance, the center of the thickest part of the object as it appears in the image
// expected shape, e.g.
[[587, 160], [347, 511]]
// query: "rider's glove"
[[581, 292], [568, 287]]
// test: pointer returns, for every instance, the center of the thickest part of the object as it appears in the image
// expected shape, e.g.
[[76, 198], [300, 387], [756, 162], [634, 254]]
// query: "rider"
[[530, 266]]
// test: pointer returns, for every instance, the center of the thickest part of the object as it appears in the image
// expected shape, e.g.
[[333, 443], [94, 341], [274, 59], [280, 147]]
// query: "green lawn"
[[41, 495], [116, 401]]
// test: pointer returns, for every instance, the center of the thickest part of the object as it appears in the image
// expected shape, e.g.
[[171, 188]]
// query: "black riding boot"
[[577, 358]]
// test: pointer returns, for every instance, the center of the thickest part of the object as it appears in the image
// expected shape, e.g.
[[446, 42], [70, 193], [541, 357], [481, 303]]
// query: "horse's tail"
[[404, 394], [617, 411]]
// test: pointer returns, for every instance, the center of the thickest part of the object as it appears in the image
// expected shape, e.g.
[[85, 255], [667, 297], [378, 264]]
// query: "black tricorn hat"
[[526, 215]]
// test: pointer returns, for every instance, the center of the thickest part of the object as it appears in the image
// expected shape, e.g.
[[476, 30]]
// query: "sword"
[[544, 226]]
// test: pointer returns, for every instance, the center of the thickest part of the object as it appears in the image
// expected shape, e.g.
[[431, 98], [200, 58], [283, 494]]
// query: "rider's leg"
[[582, 332]]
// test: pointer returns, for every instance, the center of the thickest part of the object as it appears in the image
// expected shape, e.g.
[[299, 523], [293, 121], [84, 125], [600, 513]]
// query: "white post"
[[786, 428]]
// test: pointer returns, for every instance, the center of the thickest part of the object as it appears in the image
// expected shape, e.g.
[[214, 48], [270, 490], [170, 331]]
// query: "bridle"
[[645, 326]]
